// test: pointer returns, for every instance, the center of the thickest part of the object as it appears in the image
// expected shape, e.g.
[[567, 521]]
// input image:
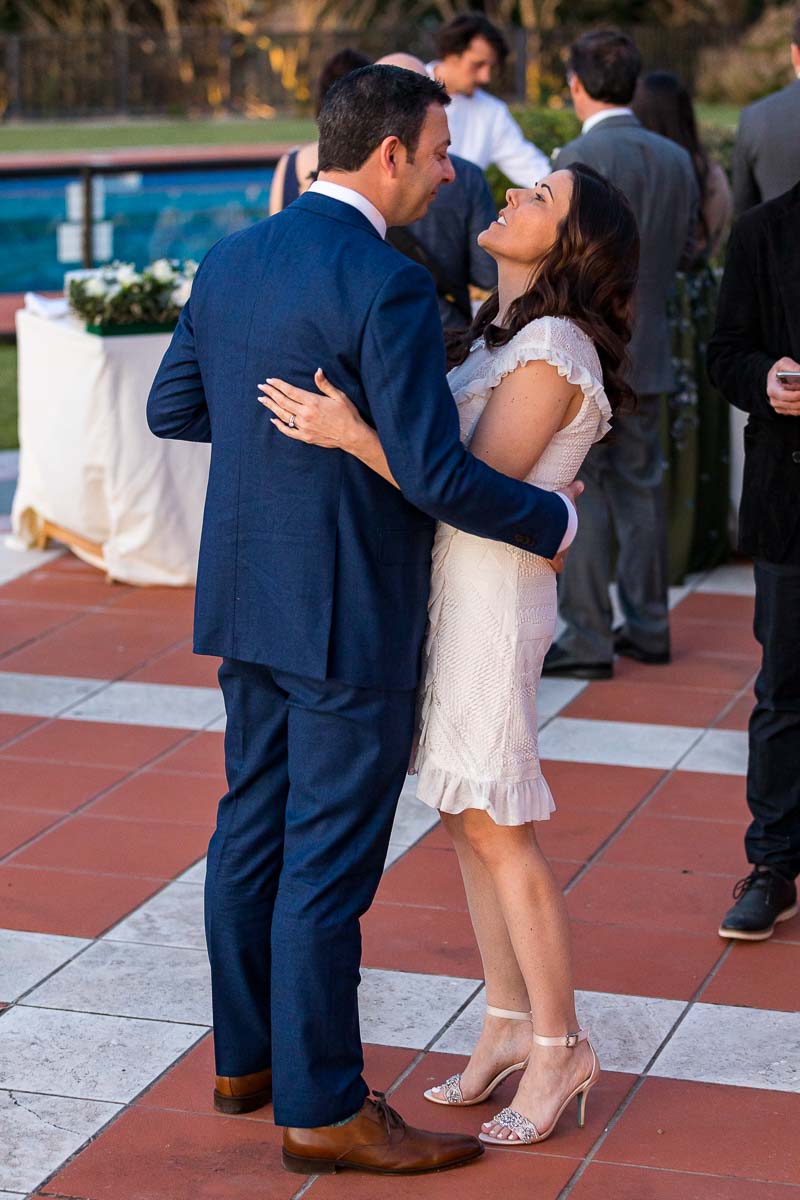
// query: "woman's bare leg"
[[535, 916], [502, 1041]]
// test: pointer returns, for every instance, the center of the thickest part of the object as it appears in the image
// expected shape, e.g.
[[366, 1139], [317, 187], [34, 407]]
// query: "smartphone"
[[789, 378]]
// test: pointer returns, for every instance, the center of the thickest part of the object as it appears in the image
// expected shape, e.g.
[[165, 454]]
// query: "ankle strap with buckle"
[[568, 1040]]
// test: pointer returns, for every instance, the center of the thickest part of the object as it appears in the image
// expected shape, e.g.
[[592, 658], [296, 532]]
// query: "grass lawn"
[[726, 115], [93, 135], [110, 135], [8, 398]]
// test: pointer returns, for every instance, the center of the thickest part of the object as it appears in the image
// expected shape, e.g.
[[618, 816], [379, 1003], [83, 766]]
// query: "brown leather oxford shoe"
[[235, 1094], [377, 1140]]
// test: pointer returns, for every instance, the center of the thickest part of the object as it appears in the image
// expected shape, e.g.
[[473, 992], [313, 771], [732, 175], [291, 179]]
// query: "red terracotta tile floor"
[[96, 818]]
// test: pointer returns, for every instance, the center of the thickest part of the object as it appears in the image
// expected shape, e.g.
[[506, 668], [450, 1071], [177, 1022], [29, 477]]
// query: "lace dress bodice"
[[565, 346]]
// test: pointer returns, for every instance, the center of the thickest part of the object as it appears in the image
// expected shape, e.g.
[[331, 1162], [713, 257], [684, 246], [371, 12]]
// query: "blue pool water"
[[167, 214]]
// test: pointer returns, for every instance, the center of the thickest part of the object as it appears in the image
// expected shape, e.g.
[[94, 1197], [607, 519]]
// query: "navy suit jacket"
[[310, 562]]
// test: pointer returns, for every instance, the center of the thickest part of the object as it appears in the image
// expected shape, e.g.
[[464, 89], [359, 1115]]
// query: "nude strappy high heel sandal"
[[451, 1088], [525, 1130]]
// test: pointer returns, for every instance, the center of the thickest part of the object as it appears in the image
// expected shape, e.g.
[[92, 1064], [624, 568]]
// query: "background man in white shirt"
[[482, 128]]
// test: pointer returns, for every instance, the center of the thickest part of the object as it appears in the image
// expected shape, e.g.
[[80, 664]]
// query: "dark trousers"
[[773, 772], [623, 501], [314, 772]]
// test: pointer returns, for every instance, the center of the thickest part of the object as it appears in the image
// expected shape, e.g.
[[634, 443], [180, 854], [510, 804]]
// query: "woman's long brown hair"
[[588, 275]]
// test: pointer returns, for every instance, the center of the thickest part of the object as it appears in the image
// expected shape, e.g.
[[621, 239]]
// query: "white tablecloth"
[[89, 463]]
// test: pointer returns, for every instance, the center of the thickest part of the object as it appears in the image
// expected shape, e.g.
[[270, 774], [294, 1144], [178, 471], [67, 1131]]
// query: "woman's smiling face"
[[528, 225]]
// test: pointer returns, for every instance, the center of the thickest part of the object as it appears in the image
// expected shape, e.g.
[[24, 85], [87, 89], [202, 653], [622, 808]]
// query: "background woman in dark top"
[[696, 434], [295, 171]]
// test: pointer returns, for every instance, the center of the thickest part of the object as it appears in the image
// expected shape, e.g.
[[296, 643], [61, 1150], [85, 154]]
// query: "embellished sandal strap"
[[525, 1130], [508, 1013], [451, 1090], [569, 1040]]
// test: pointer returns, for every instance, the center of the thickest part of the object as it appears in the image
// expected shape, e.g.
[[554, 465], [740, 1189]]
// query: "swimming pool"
[[141, 217]]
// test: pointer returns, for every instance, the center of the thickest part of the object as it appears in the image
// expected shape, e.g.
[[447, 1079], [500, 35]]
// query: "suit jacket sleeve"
[[176, 406], [737, 362], [746, 193], [482, 268], [403, 373]]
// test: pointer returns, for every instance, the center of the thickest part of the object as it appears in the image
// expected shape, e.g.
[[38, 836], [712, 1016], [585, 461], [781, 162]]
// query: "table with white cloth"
[[90, 472]]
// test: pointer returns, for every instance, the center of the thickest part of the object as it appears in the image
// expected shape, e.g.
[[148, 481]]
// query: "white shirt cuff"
[[572, 523]]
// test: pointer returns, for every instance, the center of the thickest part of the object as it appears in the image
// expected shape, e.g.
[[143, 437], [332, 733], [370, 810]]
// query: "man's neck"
[[593, 107]]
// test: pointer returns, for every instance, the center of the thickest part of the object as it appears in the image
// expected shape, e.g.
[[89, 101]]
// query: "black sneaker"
[[559, 664], [628, 649], [763, 898]]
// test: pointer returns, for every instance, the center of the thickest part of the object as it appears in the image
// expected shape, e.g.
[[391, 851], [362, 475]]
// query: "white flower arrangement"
[[119, 295]]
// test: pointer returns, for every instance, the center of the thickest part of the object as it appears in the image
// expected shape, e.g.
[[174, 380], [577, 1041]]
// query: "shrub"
[[754, 66]]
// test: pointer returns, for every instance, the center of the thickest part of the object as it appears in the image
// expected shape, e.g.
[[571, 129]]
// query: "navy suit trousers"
[[314, 772]]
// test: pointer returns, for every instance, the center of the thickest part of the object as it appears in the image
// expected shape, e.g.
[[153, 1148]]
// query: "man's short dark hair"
[[608, 64], [456, 36], [369, 105], [796, 29], [340, 64]]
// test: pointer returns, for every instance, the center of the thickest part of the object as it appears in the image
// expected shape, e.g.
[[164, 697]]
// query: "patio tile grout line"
[[644, 1075]]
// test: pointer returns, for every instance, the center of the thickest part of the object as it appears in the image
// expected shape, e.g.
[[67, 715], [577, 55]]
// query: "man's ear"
[[796, 57], [391, 155]]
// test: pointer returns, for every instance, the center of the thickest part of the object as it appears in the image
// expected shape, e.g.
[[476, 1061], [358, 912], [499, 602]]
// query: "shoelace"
[[751, 880], [392, 1119]]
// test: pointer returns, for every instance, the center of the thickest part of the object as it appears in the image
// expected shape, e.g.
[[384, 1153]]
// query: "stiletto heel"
[[524, 1129], [451, 1088]]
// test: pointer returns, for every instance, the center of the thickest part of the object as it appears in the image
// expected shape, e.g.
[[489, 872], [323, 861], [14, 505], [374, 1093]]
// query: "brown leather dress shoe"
[[376, 1140], [235, 1094]]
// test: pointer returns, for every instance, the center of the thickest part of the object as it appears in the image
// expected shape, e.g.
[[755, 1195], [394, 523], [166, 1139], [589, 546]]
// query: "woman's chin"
[[486, 239]]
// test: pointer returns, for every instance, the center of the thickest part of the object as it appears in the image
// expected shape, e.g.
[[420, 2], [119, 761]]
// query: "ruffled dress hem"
[[507, 803]]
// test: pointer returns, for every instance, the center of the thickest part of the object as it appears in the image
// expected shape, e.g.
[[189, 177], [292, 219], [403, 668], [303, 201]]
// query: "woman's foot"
[[551, 1075], [503, 1042]]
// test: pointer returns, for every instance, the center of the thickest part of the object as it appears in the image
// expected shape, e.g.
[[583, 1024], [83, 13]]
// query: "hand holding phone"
[[783, 387]]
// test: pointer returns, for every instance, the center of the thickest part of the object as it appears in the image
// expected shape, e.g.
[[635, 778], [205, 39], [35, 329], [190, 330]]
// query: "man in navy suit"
[[312, 586]]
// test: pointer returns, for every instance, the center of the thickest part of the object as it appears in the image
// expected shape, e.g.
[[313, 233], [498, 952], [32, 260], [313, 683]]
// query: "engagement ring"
[[292, 424]]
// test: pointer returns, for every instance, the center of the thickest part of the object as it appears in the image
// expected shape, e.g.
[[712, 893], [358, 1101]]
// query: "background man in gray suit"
[[766, 157], [623, 476]]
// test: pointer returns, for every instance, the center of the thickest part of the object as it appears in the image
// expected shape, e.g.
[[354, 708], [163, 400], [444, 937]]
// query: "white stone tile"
[[396, 851], [400, 1008], [28, 958], [735, 579], [617, 743], [173, 917], [689, 585], [413, 819], [195, 874], [43, 695], [38, 1132], [87, 1055], [157, 982], [719, 751], [626, 1030], [15, 560], [162, 704], [740, 1047], [554, 694]]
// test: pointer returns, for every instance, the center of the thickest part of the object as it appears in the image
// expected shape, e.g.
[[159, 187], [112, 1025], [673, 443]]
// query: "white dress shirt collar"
[[348, 195], [604, 113]]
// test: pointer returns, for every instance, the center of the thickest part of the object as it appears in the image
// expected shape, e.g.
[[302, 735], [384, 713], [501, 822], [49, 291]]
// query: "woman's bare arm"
[[521, 416]]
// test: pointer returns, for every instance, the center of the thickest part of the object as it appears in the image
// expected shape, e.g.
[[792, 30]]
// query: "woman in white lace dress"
[[537, 378]]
